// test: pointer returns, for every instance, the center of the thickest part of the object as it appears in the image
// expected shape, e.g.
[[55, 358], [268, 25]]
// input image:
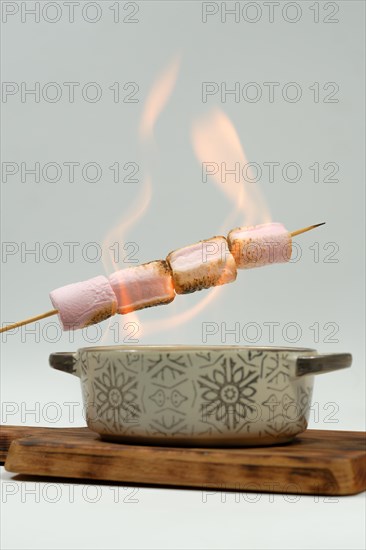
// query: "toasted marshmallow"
[[202, 265], [145, 285], [260, 245]]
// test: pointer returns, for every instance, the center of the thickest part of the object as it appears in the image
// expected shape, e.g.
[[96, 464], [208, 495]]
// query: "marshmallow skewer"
[[102, 295]]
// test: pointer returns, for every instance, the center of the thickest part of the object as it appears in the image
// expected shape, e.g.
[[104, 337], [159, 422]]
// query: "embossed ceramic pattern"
[[198, 395]]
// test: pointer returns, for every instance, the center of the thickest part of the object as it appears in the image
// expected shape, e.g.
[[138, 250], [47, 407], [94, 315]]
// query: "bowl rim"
[[166, 348]]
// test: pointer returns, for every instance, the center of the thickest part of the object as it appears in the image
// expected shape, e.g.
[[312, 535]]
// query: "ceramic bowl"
[[197, 395]]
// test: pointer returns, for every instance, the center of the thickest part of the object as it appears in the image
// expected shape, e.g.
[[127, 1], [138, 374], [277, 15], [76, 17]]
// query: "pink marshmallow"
[[142, 286], [260, 245], [202, 265], [85, 303]]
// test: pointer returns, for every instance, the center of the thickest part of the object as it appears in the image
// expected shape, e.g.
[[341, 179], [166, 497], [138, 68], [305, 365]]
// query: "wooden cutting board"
[[317, 462], [10, 433]]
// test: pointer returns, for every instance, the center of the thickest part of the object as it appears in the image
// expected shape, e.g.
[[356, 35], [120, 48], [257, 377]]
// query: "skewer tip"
[[305, 229]]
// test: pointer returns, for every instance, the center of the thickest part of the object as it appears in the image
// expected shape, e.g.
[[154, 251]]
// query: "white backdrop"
[[287, 77]]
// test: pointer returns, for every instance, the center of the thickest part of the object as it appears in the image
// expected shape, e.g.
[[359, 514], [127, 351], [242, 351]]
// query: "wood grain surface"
[[9, 433], [317, 462]]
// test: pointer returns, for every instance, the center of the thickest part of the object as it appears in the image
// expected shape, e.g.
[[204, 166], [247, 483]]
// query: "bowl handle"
[[65, 361], [317, 364]]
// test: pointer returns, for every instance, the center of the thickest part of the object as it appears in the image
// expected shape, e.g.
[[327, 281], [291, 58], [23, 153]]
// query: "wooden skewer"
[[305, 229], [29, 320], [55, 311]]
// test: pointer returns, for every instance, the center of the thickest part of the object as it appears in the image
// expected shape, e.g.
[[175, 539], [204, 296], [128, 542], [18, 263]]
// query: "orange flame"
[[155, 102], [173, 321], [118, 233], [216, 141], [158, 97], [217, 144]]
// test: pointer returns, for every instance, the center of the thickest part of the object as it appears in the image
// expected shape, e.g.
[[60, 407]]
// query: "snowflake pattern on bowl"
[[197, 396]]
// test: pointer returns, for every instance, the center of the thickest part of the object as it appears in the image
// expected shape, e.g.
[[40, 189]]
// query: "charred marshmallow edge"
[[202, 265], [145, 285], [86, 303], [260, 245]]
